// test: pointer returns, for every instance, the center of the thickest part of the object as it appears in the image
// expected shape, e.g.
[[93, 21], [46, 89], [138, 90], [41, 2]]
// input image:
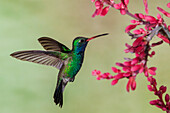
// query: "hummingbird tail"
[[58, 94]]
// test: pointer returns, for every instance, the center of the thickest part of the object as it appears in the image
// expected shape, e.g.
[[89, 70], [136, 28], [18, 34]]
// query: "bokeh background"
[[28, 88]]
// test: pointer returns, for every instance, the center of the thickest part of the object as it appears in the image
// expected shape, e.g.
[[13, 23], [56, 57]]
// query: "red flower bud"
[[117, 6], [168, 5], [98, 78], [135, 60], [141, 15], [118, 76], [167, 98], [163, 11], [128, 63], [151, 19], [128, 86], [133, 21], [119, 64], [126, 2], [141, 69], [104, 11], [146, 6], [114, 82], [152, 53], [150, 88], [133, 85], [115, 70], [130, 27], [153, 102], [164, 108], [152, 70], [163, 89], [163, 38], [135, 68], [159, 16], [137, 42], [137, 31], [122, 11], [94, 72], [98, 4], [157, 43], [126, 74]]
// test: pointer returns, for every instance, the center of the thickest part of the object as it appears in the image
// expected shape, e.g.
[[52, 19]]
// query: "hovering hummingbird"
[[58, 55]]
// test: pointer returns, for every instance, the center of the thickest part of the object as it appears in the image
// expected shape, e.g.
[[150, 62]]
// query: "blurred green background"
[[28, 88]]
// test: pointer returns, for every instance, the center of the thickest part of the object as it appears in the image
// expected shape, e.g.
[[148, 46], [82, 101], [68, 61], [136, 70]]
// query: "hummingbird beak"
[[96, 36]]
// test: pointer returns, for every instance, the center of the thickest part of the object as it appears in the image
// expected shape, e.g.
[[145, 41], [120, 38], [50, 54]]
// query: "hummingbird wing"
[[53, 45], [51, 58]]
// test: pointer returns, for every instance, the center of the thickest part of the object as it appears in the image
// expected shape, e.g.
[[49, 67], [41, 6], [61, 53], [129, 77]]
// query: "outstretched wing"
[[51, 58], [53, 45]]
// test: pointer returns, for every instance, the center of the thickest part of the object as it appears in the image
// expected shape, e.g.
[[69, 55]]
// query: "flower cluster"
[[133, 66], [100, 75], [148, 28], [165, 106], [99, 4]]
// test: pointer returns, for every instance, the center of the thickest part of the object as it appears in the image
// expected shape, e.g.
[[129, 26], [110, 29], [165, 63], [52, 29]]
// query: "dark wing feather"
[[51, 58], [53, 45]]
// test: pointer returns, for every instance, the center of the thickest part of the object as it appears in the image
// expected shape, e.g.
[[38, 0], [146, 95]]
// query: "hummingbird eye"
[[82, 40]]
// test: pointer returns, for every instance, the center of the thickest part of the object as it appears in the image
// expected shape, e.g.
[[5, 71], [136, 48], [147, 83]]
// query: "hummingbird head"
[[80, 43]]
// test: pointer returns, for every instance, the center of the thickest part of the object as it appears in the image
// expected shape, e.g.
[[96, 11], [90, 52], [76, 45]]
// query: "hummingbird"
[[68, 61]]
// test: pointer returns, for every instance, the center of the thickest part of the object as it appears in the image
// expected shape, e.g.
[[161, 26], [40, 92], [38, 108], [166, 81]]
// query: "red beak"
[[96, 36]]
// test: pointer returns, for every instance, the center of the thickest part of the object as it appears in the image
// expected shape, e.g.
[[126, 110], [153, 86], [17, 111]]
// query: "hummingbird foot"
[[71, 79]]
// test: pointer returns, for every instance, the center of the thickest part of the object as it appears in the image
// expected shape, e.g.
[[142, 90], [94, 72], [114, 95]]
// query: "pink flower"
[[157, 43], [97, 73], [118, 76], [135, 68], [137, 31], [162, 89], [159, 102], [154, 102], [104, 11], [99, 4], [150, 19], [138, 42], [150, 88], [125, 2], [115, 70], [167, 98], [168, 5], [163, 11], [146, 6], [152, 70], [122, 6], [131, 84], [163, 38], [135, 61], [152, 80], [130, 27], [114, 82], [141, 48], [139, 15], [106, 76]]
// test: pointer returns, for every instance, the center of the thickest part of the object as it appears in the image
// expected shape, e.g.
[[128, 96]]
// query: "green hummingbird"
[[61, 57]]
